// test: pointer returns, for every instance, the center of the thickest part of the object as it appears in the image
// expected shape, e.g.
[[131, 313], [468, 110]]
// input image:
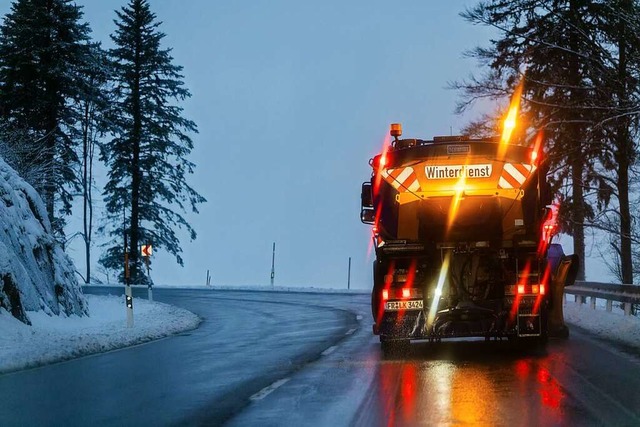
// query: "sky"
[[291, 100]]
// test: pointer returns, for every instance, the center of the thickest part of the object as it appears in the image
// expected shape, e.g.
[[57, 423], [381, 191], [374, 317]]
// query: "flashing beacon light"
[[510, 120], [396, 130], [383, 160], [536, 149]]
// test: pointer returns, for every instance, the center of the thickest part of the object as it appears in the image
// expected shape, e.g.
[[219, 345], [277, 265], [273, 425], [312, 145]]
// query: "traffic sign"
[[147, 250]]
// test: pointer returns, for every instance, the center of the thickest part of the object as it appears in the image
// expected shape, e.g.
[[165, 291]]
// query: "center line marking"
[[329, 350], [268, 390]]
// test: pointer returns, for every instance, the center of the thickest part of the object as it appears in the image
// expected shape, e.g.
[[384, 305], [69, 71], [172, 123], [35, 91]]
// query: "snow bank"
[[612, 326], [56, 338], [311, 289], [35, 274]]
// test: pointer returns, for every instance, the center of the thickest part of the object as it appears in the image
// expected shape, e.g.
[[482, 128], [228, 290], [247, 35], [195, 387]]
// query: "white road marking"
[[359, 317], [350, 331], [268, 390], [329, 350]]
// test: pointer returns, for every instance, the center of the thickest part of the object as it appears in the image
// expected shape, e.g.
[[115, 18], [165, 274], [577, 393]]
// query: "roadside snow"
[[613, 325], [56, 338]]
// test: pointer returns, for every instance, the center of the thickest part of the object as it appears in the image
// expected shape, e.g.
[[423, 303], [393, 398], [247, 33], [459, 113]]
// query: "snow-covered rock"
[[35, 273]]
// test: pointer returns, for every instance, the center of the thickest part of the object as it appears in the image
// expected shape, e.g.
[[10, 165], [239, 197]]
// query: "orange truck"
[[461, 230]]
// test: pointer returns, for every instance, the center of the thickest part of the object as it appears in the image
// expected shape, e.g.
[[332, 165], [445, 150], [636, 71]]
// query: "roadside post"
[[127, 288], [147, 251], [349, 275], [273, 263]]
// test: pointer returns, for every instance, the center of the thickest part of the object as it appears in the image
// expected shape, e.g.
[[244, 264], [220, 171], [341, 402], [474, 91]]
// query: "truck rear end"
[[461, 229]]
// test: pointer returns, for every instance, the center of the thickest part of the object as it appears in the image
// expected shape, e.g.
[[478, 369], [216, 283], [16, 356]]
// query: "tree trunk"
[[135, 160], [85, 193], [575, 141], [50, 122], [624, 153]]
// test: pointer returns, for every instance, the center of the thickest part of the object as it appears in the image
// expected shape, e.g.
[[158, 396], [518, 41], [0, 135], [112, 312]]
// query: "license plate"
[[403, 305]]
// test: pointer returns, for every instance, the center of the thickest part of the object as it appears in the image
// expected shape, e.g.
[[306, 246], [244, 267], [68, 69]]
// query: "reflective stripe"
[[514, 175], [404, 175], [402, 179], [503, 183]]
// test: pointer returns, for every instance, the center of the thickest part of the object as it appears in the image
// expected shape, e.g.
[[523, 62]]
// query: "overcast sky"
[[291, 100]]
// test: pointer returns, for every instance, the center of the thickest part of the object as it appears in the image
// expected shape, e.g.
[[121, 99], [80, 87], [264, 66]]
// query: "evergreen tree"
[[147, 159], [43, 44], [619, 88], [552, 46]]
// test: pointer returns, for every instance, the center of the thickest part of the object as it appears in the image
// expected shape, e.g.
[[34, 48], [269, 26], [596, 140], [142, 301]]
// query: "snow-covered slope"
[[35, 273]]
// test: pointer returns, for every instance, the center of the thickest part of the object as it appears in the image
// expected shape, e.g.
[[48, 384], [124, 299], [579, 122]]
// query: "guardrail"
[[628, 295]]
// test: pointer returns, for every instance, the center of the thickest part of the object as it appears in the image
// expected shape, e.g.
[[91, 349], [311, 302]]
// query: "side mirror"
[[367, 213], [366, 196], [367, 216]]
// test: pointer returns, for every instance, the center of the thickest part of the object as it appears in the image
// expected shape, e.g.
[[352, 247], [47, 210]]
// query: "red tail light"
[[385, 294], [380, 161], [406, 292]]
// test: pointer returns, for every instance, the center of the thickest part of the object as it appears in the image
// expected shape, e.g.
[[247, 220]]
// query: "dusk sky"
[[291, 100]]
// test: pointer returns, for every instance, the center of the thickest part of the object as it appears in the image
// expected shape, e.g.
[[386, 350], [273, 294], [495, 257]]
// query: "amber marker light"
[[396, 130]]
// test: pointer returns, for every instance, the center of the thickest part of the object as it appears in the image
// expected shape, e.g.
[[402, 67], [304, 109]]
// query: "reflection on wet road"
[[478, 383], [276, 358], [457, 384]]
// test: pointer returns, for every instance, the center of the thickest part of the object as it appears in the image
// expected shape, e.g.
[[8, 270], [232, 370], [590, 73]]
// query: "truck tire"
[[378, 284]]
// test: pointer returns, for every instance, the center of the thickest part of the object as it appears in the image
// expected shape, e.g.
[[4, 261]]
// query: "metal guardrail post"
[[627, 295]]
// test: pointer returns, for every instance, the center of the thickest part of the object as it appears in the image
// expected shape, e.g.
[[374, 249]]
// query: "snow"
[[35, 273], [614, 325], [301, 289], [55, 338]]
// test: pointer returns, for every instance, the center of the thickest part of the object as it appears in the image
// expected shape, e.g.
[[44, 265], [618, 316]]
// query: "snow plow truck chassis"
[[461, 231]]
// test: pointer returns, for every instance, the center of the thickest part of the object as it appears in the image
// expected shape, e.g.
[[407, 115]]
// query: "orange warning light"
[[510, 121], [396, 130]]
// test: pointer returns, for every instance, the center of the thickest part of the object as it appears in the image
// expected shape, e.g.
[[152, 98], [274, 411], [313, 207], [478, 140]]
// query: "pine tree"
[[549, 46], [620, 26], [147, 159], [43, 44]]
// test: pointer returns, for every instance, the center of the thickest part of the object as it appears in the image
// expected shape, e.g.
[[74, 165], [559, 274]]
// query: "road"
[[273, 358]]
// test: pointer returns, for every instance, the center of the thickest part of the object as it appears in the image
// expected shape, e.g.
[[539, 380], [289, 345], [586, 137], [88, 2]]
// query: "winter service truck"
[[462, 232]]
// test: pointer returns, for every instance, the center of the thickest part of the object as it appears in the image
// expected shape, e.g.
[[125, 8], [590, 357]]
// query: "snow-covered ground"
[[613, 326], [55, 338]]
